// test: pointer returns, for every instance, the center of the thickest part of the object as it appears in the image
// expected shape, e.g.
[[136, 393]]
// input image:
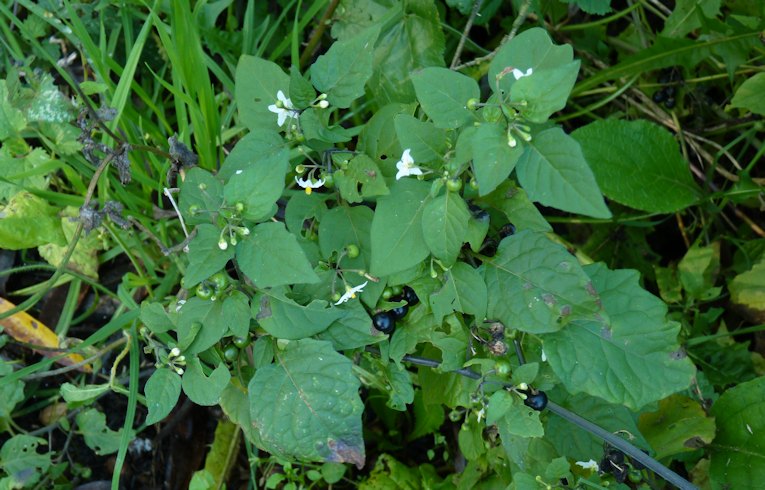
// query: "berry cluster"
[[385, 321], [614, 463], [670, 78]]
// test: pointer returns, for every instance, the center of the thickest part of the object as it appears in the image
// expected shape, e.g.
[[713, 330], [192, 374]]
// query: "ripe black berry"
[[659, 96], [507, 230], [537, 401], [410, 296], [399, 312], [384, 322], [670, 103]]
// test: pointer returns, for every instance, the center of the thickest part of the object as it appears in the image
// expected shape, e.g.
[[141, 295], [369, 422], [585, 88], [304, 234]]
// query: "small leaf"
[[100, 438], [201, 195], [162, 391], [638, 164], [352, 330], [347, 225], [154, 316], [73, 394], [748, 290], [444, 226], [463, 291], [699, 268], [553, 171], [362, 179], [536, 286], [28, 221], [21, 461], [285, 319], [425, 141], [545, 92], [444, 95], [397, 239], [302, 93], [344, 69], [749, 94], [205, 256], [257, 81], [493, 158], [204, 390], [201, 324], [678, 426], [307, 405], [270, 256]]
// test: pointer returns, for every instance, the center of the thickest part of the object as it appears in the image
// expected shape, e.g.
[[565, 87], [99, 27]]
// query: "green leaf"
[[257, 81], [689, 15], [28, 221], [84, 259], [24, 172], [631, 359], [597, 7], [302, 93], [270, 256], [236, 405], [553, 171], [236, 306], [679, 425], [464, 290], [544, 92], [154, 316], [10, 394], [307, 405], [260, 148], [748, 290], [749, 94], [162, 391], [533, 49], [638, 164], [398, 386], [21, 461], [428, 418], [201, 196], [205, 256], [49, 104], [204, 390], [100, 438], [360, 180], [346, 225], [453, 344], [352, 330], [285, 319], [426, 142], [12, 120], [259, 185], [73, 394], [444, 94], [536, 286], [698, 270], [509, 412], [738, 453], [397, 240], [515, 204], [201, 323], [344, 69], [493, 158], [378, 137], [316, 127], [444, 226], [302, 207]]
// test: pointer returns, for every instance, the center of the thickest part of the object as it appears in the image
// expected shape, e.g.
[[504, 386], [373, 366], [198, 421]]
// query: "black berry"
[[507, 230], [399, 312], [410, 296], [669, 103], [384, 322], [537, 401], [659, 96]]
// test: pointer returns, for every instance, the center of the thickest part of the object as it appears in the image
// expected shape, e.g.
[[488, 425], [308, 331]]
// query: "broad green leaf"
[[154, 316], [631, 357], [319, 132], [553, 171], [470, 439], [444, 226], [464, 290], [259, 184], [347, 225], [236, 306], [398, 386], [428, 418], [378, 137], [84, 259], [100, 438], [515, 204], [270, 256], [545, 91], [48, 103], [285, 319], [352, 330], [261, 148], [12, 120], [509, 412], [426, 142], [28, 221], [738, 450], [748, 290], [201, 389], [201, 196], [24, 172], [302, 207], [236, 405], [162, 391], [698, 270], [453, 344], [73, 393], [444, 94], [397, 240], [302, 93], [533, 49], [678, 426], [638, 164], [307, 405], [689, 15], [257, 81], [361, 179], [478, 228], [749, 94], [344, 69], [201, 323], [493, 158], [20, 460], [205, 256], [536, 286]]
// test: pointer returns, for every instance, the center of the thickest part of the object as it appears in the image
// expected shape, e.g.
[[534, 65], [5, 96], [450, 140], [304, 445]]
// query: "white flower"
[[544, 356], [283, 111], [406, 166], [518, 74], [308, 184], [350, 293], [588, 465]]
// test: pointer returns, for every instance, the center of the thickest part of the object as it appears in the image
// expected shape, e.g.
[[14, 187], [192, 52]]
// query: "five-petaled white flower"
[[518, 74], [309, 185], [406, 166], [284, 110], [588, 465], [350, 293]]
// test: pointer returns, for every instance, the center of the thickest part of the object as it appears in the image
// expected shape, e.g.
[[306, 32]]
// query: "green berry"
[[352, 251], [502, 368], [454, 185], [219, 280], [204, 291], [387, 293], [241, 342], [231, 353], [472, 104], [474, 184], [300, 169]]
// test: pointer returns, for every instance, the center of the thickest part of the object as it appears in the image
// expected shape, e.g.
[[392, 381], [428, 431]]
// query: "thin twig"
[[465, 32], [318, 32]]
